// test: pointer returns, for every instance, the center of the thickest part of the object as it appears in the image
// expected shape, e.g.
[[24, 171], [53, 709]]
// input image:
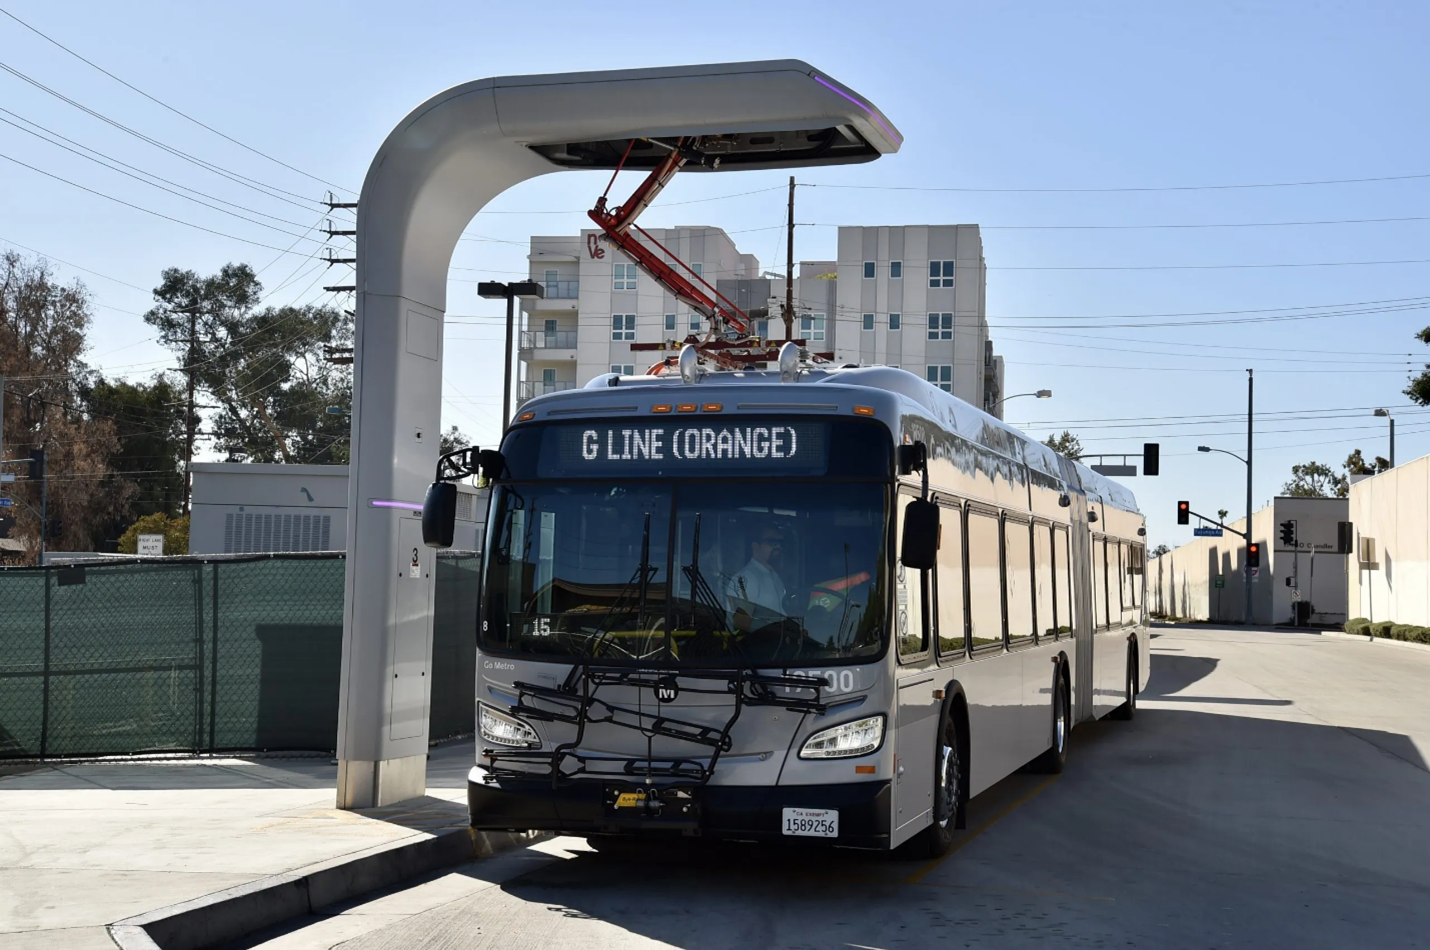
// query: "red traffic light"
[[1184, 510], [1253, 555]]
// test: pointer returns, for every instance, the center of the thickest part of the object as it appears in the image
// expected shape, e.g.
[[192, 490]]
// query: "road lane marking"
[[918, 875]]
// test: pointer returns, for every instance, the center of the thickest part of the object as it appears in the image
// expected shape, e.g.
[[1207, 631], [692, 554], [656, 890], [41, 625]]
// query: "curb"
[[235, 912], [1369, 639]]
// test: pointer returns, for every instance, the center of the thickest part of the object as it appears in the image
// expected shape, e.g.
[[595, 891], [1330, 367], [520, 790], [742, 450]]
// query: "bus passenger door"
[[1083, 683], [916, 711]]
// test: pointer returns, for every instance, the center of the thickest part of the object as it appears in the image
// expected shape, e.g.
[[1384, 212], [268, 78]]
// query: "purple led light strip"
[[872, 114], [406, 505]]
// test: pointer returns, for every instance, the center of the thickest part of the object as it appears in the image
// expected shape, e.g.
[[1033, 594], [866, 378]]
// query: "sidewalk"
[[82, 846]]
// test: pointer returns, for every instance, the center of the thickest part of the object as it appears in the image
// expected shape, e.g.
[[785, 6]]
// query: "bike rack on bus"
[[576, 702]]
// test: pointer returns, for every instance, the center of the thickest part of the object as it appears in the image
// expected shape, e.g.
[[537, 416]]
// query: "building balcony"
[[546, 340], [562, 289], [531, 388]]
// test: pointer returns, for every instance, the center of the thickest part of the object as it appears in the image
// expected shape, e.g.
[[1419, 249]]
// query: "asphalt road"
[[1272, 792]]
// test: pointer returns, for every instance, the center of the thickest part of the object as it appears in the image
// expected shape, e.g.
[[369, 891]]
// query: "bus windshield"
[[687, 572]]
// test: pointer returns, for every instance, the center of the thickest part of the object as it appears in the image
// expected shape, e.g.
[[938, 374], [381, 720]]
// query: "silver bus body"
[[625, 745]]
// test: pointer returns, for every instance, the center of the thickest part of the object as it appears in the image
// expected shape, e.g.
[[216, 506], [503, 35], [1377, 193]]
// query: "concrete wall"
[[1390, 508], [1182, 581]]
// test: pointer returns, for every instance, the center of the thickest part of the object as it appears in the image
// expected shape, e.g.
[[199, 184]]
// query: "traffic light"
[[1184, 512], [1288, 533], [37, 465], [1151, 458], [1253, 555]]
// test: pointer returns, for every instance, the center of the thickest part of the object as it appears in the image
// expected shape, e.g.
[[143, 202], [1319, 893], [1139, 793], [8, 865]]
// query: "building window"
[[694, 322], [894, 321], [940, 326], [698, 269], [623, 369], [762, 329], [624, 276], [623, 326], [670, 322], [868, 321], [868, 270], [551, 278], [942, 377], [896, 270], [812, 327], [941, 273]]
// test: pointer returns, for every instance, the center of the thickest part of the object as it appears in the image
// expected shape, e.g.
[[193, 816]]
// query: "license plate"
[[811, 822]]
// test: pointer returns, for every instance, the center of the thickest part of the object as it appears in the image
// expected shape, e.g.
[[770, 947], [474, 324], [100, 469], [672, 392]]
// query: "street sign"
[[7, 503], [1220, 581], [151, 545], [1115, 470], [1255, 572], [1207, 532], [7, 477]]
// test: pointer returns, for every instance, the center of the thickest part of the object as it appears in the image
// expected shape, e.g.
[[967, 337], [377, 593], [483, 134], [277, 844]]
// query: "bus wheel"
[[1128, 709], [948, 784], [1055, 758]]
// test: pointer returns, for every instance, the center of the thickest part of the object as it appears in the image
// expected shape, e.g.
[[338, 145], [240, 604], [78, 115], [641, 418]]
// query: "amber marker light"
[[686, 407], [663, 407], [526, 417], [864, 770], [863, 410], [713, 407]]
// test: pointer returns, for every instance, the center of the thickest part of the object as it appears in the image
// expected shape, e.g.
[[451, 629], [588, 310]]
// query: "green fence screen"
[[194, 655]]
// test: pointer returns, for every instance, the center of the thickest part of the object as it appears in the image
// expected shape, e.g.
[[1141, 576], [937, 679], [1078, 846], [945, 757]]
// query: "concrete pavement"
[[84, 845], [1272, 792]]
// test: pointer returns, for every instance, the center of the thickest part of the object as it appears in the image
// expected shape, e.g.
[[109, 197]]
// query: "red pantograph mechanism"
[[697, 294]]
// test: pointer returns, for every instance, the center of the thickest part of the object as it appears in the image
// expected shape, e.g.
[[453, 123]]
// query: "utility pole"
[[1249, 405], [789, 266], [189, 422]]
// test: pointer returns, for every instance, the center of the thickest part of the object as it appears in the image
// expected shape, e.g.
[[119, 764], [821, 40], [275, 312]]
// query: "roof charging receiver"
[[689, 363], [789, 362]]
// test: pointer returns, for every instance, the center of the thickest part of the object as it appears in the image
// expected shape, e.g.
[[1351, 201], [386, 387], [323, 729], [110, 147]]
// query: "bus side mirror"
[[439, 515], [919, 547], [492, 463]]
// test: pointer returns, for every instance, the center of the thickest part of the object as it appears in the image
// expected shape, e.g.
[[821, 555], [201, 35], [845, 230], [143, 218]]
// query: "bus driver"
[[755, 592]]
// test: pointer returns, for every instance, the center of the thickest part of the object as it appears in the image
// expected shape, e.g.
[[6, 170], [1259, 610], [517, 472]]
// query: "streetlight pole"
[[495, 290], [1391, 420], [1040, 394], [1249, 414]]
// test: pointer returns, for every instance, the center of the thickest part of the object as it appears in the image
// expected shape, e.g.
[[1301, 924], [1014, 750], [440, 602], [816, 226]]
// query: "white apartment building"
[[911, 297]]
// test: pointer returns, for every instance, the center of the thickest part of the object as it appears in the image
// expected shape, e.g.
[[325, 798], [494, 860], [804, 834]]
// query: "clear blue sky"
[[990, 96]]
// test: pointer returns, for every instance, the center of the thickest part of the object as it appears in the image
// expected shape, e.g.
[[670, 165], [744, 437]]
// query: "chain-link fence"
[[188, 654]]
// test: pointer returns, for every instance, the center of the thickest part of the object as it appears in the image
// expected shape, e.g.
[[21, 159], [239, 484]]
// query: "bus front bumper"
[[728, 812]]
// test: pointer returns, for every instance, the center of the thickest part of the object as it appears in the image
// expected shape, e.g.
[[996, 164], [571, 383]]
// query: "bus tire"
[[1054, 759], [948, 791], [1128, 709]]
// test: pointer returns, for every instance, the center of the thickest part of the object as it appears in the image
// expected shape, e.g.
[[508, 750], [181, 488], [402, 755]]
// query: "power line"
[[95, 273], [160, 102], [1129, 188]]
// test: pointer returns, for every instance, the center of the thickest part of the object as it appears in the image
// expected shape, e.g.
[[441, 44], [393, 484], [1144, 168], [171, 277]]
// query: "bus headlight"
[[503, 730], [859, 737]]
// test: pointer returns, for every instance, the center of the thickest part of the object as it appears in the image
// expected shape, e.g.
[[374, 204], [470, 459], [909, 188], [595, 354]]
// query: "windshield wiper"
[[700, 590]]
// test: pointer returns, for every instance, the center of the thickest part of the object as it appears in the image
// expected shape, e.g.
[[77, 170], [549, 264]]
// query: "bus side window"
[[985, 585], [1126, 582], [952, 635], [1139, 571], [1062, 573], [1018, 552], [911, 625], [1043, 579]]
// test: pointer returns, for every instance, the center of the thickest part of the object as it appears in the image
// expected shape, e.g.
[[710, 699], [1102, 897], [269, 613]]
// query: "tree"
[[452, 440], [1066, 445], [1419, 388], [174, 530], [43, 326], [1160, 550], [1221, 514], [1315, 480], [148, 419], [1357, 465], [265, 368]]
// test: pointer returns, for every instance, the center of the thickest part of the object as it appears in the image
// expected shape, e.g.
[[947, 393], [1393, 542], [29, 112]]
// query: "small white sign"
[[151, 545], [7, 477]]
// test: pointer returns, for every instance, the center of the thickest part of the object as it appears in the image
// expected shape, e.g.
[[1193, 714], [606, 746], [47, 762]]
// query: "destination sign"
[[690, 447]]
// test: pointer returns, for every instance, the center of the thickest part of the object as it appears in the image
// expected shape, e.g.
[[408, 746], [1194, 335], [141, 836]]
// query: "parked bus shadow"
[[1179, 829]]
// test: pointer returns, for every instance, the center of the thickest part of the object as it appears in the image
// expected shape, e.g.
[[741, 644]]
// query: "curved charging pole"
[[437, 169]]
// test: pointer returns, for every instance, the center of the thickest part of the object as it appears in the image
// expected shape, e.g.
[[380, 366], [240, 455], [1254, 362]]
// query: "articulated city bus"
[[828, 605]]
